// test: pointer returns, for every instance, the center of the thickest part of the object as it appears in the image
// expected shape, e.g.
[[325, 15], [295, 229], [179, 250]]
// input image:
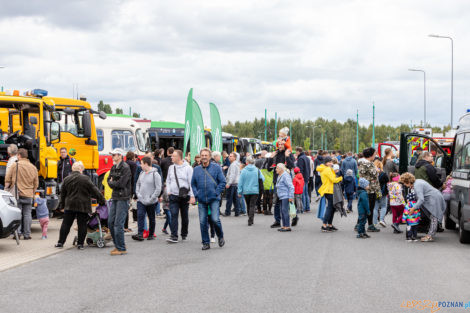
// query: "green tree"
[[306, 144], [119, 111], [135, 114]]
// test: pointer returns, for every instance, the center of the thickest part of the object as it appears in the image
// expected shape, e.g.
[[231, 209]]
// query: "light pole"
[[313, 135], [2, 85], [451, 78], [424, 73]]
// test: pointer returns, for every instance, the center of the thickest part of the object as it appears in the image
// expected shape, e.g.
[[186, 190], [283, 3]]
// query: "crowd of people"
[[166, 184]]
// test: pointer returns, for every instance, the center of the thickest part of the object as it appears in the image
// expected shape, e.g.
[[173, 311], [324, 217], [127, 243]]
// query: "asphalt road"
[[259, 270]]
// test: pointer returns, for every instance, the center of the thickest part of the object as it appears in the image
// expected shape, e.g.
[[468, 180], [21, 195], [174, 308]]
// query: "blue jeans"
[[157, 208], [285, 212], [350, 198], [330, 210], [116, 219], [305, 198], [232, 198], [203, 220], [167, 218], [242, 204], [142, 212], [380, 204]]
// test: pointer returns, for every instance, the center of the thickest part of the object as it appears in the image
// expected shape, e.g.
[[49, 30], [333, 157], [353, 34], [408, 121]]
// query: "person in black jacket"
[[64, 166], [303, 163], [76, 195], [426, 171], [166, 162], [281, 155], [130, 160], [120, 181]]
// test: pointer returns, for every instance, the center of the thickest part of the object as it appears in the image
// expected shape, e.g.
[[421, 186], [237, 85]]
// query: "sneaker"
[[383, 224], [206, 246], [164, 231], [59, 245], [151, 237], [118, 252], [325, 229], [372, 229], [395, 227], [276, 225], [172, 240], [146, 234], [243, 214], [221, 242], [409, 239], [137, 237], [332, 228], [366, 235], [295, 220], [80, 247], [213, 240], [414, 239], [183, 238], [27, 238], [361, 236], [44, 237]]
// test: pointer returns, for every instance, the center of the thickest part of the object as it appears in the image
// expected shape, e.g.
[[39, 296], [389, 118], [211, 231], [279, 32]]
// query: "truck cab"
[[29, 122], [394, 146], [78, 132]]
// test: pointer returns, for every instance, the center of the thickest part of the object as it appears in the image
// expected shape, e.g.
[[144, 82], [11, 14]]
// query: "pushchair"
[[95, 234]]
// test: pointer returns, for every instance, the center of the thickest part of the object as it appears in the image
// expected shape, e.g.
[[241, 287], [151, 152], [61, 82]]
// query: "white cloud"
[[303, 59]]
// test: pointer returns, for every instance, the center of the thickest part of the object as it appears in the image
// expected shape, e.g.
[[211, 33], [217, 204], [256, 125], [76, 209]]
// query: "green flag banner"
[[187, 120], [216, 129], [197, 141]]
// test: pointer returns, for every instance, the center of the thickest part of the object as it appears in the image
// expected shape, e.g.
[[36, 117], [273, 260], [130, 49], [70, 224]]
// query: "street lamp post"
[[313, 135], [451, 77], [424, 73], [2, 85]]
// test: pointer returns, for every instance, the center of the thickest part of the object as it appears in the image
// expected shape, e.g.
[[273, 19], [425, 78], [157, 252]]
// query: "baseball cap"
[[117, 151]]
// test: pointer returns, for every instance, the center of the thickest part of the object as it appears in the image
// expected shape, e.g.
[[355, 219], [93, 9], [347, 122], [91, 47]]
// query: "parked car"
[[10, 215]]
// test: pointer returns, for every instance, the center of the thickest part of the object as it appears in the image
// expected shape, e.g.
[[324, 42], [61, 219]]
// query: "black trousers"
[[178, 205], [267, 200], [310, 187], [69, 217], [251, 206], [259, 201], [372, 199]]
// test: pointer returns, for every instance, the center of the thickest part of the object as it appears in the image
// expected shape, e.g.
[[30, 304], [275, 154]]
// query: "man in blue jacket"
[[207, 183], [349, 164], [303, 163]]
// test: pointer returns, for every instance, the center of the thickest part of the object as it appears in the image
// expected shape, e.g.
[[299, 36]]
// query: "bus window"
[[123, 139], [99, 133], [140, 140]]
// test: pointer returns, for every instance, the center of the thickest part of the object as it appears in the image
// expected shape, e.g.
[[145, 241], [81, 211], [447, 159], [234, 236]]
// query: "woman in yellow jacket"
[[328, 179]]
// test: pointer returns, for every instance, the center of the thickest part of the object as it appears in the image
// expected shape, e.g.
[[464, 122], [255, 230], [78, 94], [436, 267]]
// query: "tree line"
[[336, 135], [106, 108]]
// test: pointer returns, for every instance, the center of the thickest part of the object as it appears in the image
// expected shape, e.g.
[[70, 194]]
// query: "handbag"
[[183, 192], [292, 210], [321, 208]]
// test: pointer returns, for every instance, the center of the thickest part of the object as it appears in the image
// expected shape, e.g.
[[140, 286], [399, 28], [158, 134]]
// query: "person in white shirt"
[[178, 184], [12, 153]]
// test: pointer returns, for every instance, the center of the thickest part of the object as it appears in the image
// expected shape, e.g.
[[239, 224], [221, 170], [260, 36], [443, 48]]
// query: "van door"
[[409, 154], [460, 173]]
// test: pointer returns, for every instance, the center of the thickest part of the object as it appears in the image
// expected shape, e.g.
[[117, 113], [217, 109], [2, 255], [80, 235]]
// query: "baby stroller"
[[95, 235]]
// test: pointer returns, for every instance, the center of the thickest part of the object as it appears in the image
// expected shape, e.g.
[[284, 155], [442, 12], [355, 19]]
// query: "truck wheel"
[[449, 223], [464, 235]]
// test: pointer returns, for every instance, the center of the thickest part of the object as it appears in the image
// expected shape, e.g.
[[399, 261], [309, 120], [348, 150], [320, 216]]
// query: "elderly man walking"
[[233, 175], [207, 183]]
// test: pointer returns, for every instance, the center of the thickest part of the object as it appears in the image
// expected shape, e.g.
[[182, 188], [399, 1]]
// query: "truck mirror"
[[56, 116], [54, 132], [87, 124], [102, 115]]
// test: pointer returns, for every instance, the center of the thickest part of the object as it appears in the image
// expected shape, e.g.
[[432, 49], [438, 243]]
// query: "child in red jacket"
[[298, 189]]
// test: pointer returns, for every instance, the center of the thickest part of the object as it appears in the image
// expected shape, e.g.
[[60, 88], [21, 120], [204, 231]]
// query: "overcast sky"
[[302, 59]]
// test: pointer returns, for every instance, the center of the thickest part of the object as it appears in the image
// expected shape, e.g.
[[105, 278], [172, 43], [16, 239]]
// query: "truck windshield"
[[72, 123]]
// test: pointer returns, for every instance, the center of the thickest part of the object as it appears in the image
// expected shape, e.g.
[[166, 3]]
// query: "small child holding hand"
[[42, 213]]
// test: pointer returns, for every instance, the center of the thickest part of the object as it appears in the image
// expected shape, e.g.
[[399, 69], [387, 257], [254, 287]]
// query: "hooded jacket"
[[349, 184], [328, 179], [148, 187], [248, 181], [363, 203], [349, 164], [303, 163], [208, 189], [233, 173], [425, 171], [299, 183], [316, 163]]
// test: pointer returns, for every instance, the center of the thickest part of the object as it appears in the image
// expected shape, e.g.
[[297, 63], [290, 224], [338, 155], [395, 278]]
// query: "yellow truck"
[[78, 132], [28, 122]]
